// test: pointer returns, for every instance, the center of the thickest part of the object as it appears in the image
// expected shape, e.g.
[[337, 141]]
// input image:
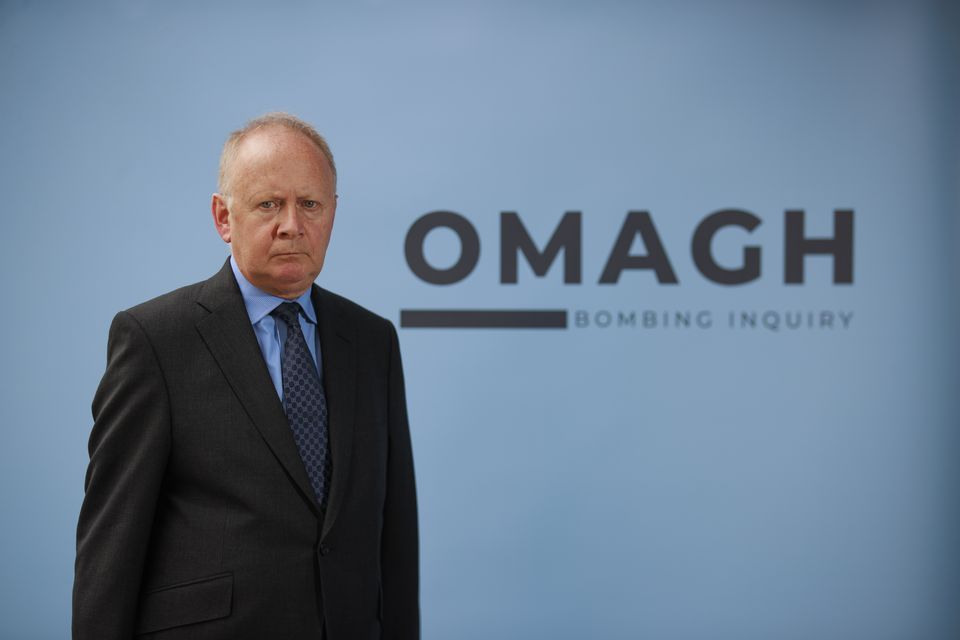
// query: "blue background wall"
[[608, 483]]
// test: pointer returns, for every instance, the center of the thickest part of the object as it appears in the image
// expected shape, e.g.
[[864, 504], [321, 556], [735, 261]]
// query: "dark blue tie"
[[305, 403]]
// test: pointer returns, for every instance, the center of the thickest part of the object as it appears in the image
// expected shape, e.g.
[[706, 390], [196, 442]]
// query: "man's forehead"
[[277, 157], [275, 139], [278, 153]]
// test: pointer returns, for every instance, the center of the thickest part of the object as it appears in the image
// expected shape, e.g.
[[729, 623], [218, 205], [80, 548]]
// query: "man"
[[250, 467]]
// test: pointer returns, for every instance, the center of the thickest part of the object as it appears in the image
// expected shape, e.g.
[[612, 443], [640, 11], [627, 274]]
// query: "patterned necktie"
[[305, 403]]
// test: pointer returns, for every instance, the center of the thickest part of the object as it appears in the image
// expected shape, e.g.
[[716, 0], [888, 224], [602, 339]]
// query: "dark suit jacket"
[[199, 520]]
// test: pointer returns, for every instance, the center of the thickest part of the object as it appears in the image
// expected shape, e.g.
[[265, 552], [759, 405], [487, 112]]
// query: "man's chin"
[[292, 282]]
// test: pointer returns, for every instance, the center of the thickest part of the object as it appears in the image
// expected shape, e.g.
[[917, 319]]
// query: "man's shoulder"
[[189, 301], [167, 306], [174, 315], [357, 315]]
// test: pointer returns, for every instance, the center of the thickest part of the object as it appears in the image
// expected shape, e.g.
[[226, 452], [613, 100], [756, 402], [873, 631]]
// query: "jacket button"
[[323, 549]]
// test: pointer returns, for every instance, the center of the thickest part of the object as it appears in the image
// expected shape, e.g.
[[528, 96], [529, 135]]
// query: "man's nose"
[[289, 224]]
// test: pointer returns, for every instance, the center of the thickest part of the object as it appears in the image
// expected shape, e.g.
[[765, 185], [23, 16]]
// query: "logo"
[[515, 242]]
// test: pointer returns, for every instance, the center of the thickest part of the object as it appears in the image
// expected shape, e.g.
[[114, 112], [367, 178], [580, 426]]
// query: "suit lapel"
[[229, 336], [338, 351]]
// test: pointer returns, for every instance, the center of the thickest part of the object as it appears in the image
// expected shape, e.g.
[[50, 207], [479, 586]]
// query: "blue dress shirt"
[[270, 333]]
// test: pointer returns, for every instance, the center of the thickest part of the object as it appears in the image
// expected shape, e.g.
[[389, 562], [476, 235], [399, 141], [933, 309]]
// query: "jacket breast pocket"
[[183, 603]]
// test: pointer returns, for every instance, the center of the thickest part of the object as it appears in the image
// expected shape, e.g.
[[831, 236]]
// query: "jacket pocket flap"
[[185, 603]]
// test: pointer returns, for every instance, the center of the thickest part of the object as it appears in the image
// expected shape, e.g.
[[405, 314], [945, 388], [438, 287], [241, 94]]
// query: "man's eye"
[[268, 204], [310, 204]]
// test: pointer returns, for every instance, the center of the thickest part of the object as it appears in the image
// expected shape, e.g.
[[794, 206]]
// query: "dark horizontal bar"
[[483, 318]]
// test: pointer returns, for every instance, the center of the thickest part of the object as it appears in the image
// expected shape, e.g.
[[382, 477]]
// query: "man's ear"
[[221, 216]]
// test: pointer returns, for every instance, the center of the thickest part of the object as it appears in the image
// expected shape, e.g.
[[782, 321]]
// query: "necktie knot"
[[289, 312]]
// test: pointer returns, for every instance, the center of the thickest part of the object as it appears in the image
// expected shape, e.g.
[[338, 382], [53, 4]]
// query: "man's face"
[[278, 211]]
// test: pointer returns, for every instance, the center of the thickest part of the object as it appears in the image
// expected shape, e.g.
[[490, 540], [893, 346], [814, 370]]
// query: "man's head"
[[277, 202]]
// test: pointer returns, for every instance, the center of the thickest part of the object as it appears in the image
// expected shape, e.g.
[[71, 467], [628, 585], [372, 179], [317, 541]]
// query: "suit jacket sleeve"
[[129, 445], [399, 547]]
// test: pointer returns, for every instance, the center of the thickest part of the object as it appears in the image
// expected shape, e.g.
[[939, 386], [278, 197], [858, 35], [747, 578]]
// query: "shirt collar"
[[259, 303]]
